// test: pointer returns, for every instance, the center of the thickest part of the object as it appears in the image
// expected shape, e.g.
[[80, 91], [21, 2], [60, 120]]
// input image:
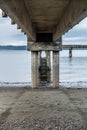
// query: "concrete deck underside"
[[27, 109], [45, 16]]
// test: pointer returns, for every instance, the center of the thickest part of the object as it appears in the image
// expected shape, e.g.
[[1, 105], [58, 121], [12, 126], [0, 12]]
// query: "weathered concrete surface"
[[48, 58], [39, 63], [44, 46], [42, 109], [49, 66], [43, 70], [55, 69], [34, 69]]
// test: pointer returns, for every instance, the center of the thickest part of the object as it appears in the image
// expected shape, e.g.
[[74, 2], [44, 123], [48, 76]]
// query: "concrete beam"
[[22, 30], [73, 14], [12, 22], [42, 46], [4, 14], [18, 27], [24, 33], [21, 16]]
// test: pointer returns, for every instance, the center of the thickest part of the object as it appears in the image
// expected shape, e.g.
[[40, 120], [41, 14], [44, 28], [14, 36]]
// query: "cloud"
[[77, 35], [9, 34], [82, 25], [75, 40]]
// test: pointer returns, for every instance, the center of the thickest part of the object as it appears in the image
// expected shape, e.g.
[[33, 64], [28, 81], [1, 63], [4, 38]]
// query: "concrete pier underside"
[[42, 109]]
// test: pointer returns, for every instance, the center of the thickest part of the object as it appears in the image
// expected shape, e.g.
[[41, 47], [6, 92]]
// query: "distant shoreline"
[[10, 47], [62, 85], [24, 47]]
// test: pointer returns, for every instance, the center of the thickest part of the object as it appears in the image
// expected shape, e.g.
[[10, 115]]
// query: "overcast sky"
[[77, 35], [10, 35]]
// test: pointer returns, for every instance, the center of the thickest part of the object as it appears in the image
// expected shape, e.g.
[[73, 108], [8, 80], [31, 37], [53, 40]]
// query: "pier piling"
[[48, 66], [55, 69], [34, 69], [70, 52]]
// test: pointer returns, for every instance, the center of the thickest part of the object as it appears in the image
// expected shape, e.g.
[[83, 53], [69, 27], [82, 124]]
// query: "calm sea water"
[[15, 68]]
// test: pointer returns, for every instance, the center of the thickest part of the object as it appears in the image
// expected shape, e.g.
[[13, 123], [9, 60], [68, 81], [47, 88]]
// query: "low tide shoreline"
[[43, 109], [77, 84]]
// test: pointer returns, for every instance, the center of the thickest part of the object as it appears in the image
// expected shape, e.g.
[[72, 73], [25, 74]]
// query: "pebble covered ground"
[[23, 109], [49, 124]]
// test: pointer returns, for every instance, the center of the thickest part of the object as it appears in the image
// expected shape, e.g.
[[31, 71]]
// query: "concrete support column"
[[70, 52], [55, 69], [39, 58], [48, 58], [48, 66], [34, 68], [39, 64]]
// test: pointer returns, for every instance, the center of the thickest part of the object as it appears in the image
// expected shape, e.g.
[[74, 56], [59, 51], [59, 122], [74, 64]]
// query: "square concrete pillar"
[[48, 58], [48, 66], [39, 58], [39, 64], [34, 68], [55, 69]]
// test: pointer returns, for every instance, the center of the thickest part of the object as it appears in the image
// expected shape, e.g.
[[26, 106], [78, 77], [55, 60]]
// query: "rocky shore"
[[43, 109]]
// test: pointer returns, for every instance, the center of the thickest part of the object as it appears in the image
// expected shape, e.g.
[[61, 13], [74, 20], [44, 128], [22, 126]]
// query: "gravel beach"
[[43, 109]]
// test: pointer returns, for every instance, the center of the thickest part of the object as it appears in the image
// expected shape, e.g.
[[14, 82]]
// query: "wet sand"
[[43, 109]]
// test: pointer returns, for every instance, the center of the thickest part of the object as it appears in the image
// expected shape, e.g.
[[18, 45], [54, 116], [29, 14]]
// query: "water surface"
[[15, 68]]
